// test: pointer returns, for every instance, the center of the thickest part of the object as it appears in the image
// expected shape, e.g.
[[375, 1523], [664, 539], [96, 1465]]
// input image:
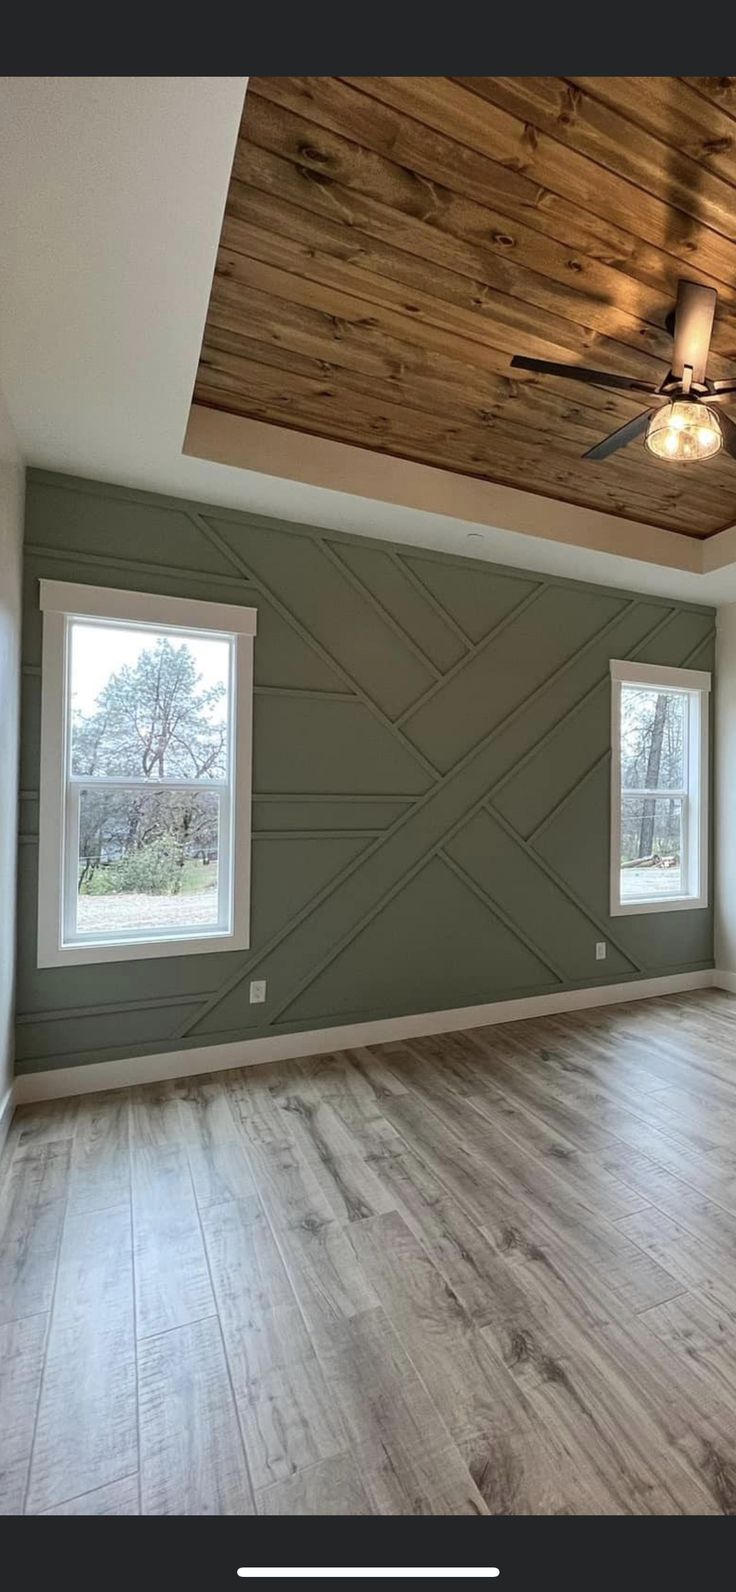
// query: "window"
[[145, 775], [659, 788]]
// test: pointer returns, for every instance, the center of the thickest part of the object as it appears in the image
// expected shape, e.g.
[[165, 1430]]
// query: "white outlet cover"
[[257, 991], [600, 951]]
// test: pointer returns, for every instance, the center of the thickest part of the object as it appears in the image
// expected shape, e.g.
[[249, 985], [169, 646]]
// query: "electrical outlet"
[[600, 953], [257, 991]]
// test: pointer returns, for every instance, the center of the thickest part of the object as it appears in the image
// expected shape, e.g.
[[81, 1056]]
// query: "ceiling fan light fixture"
[[684, 432]]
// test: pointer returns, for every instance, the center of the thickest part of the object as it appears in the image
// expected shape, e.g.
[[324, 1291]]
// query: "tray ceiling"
[[389, 243]]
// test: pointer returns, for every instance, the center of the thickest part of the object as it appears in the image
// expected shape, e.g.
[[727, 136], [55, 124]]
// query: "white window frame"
[[695, 684], [62, 603]]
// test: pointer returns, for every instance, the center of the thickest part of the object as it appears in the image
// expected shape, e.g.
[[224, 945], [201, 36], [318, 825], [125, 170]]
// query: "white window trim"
[[696, 683], [64, 600]]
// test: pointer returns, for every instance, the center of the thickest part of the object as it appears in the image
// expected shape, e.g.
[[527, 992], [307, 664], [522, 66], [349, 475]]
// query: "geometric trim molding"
[[59, 1082], [430, 793]]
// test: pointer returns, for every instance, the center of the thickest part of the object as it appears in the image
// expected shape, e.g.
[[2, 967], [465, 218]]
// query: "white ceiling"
[[111, 199]]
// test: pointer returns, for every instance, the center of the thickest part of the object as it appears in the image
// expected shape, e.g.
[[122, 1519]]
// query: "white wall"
[[725, 788], [11, 536]]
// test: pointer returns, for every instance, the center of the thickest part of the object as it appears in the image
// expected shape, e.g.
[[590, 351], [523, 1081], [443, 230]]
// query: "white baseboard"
[[62, 1081], [7, 1107], [723, 980]]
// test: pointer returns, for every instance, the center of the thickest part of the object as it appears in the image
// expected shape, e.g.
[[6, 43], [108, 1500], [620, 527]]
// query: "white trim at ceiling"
[[403, 500]]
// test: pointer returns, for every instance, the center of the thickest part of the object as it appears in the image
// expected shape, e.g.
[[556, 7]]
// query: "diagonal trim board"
[[123, 1073], [446, 807], [411, 707]]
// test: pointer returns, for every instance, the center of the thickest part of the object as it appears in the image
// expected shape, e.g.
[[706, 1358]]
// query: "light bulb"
[[684, 430]]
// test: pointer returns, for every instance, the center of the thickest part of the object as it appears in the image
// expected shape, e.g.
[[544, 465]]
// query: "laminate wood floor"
[[490, 1272]]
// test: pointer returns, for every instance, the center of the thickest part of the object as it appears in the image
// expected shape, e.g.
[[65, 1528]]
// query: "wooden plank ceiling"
[[389, 243]]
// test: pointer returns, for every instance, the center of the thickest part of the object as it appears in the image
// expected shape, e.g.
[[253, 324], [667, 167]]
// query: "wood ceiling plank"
[[524, 262], [363, 338], [390, 244], [432, 399], [410, 165], [504, 120], [558, 485], [240, 270], [721, 91], [497, 274], [593, 130], [223, 353], [242, 273], [552, 237], [675, 113], [300, 332], [311, 405], [496, 316], [370, 349]]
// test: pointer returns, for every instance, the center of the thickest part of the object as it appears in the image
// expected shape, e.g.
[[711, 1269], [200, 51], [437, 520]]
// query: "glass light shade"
[[682, 431]]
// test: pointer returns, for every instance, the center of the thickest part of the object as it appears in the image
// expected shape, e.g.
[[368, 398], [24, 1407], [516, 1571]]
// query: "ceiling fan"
[[685, 426]]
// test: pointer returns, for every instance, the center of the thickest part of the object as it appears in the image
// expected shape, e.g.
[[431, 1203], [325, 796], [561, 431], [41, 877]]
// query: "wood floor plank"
[[220, 1171], [489, 1272], [327, 1278], [697, 1261], [639, 1123], [295, 1186], [566, 1351], [343, 1074], [171, 1276], [608, 1365], [461, 1252], [204, 1111], [290, 1422], [45, 1122], [290, 1187], [702, 1217], [155, 1115], [288, 1419], [579, 1171], [350, 1186], [119, 1498], [407, 1462], [100, 1165], [192, 1459], [471, 1387], [331, 1487], [529, 1089], [21, 1363], [31, 1219], [262, 1323], [371, 1066], [461, 1152], [86, 1432]]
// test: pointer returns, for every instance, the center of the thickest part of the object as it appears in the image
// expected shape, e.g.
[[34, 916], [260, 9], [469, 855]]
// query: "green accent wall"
[[431, 764]]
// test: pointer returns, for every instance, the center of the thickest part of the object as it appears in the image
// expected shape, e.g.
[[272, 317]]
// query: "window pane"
[[651, 847], [148, 860], [147, 704], [653, 731]]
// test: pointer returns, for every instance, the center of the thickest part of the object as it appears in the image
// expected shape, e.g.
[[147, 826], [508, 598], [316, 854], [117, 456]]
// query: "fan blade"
[[694, 313], [602, 378], [720, 389], [728, 432], [618, 439]]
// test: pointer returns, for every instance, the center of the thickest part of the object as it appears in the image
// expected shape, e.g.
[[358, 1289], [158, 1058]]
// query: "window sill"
[[138, 950], [626, 909]]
